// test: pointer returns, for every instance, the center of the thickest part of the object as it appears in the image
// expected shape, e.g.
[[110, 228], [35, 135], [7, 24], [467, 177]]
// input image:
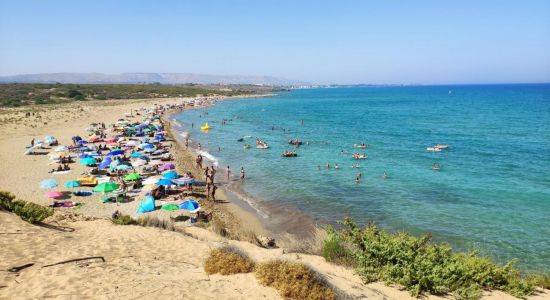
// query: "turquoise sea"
[[492, 192]]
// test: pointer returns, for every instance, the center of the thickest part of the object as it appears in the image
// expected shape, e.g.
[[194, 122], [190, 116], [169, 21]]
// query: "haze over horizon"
[[426, 42]]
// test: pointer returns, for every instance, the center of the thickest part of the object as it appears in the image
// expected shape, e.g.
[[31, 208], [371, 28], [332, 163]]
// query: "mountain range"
[[135, 78]]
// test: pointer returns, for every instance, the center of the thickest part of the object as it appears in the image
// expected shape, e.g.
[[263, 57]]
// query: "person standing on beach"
[[200, 146], [32, 142], [214, 188], [242, 173], [212, 173], [206, 174], [228, 171], [208, 189], [199, 161], [186, 143]]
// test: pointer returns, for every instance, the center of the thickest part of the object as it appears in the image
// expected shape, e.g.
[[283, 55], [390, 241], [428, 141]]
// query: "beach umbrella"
[[149, 150], [156, 162], [115, 152], [190, 205], [170, 175], [81, 142], [139, 163], [132, 176], [61, 148], [48, 183], [105, 187], [131, 143], [123, 168], [151, 180], [88, 161], [54, 194], [165, 181], [105, 163], [167, 167], [94, 139], [170, 206], [136, 154], [72, 184], [148, 146]]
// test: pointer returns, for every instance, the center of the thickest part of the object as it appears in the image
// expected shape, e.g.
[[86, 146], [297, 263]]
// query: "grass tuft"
[[153, 221], [228, 260], [293, 280], [121, 219]]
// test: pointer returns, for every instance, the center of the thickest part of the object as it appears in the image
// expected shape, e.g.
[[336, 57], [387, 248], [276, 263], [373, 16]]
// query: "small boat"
[[433, 149], [247, 146], [289, 154], [359, 156], [360, 146], [441, 146], [295, 142], [205, 126], [262, 146]]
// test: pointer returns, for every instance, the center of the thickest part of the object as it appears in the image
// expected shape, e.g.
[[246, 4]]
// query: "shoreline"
[[286, 224]]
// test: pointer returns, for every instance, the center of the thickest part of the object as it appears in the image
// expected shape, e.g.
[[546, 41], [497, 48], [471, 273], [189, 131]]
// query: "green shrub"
[[120, 219], [334, 249], [421, 266], [6, 201], [30, 212]]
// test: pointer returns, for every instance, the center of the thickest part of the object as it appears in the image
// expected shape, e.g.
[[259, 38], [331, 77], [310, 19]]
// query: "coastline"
[[142, 256]]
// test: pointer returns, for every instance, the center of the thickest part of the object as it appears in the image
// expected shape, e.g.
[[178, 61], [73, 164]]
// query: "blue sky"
[[409, 42]]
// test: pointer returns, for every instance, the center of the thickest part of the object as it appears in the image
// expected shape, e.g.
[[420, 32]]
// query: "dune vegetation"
[[420, 265]]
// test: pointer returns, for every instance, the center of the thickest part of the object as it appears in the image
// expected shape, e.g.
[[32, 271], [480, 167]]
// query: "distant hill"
[[163, 78]]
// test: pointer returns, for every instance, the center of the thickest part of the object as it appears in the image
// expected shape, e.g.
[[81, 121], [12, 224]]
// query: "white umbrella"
[[138, 163], [151, 180]]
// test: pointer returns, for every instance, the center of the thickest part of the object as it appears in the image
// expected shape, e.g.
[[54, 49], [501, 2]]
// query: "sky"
[[342, 42]]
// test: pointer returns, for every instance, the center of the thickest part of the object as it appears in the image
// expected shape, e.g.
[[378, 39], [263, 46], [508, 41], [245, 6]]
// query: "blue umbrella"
[[72, 184], [115, 152], [136, 154], [48, 183], [147, 146], [148, 150], [165, 181], [170, 175], [84, 155], [105, 163], [82, 142], [190, 205]]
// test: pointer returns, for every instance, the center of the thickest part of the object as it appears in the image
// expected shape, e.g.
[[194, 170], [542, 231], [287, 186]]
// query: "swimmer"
[[385, 175], [336, 166]]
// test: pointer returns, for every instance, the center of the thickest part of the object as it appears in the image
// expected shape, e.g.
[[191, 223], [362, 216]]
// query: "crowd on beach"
[[126, 161]]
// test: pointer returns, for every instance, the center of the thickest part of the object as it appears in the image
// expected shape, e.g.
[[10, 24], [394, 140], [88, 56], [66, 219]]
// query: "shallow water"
[[493, 190]]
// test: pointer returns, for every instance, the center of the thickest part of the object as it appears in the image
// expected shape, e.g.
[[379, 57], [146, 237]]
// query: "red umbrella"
[[94, 139], [54, 194]]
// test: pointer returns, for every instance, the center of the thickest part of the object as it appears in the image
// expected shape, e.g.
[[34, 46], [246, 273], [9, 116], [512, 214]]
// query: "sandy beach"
[[139, 262]]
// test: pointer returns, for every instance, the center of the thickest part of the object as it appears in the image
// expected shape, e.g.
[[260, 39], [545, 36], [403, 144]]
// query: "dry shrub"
[[218, 227], [228, 260], [153, 221], [294, 280]]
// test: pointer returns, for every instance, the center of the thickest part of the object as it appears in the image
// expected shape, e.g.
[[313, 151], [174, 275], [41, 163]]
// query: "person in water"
[[336, 166], [328, 166], [385, 175], [228, 173], [242, 173]]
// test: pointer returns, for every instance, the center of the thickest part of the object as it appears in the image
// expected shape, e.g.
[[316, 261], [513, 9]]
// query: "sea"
[[491, 192]]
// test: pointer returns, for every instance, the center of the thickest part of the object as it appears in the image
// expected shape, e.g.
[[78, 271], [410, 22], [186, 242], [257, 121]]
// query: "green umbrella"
[[106, 187], [170, 206], [132, 176]]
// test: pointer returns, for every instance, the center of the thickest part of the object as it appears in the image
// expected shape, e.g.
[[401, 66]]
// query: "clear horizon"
[[421, 43]]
